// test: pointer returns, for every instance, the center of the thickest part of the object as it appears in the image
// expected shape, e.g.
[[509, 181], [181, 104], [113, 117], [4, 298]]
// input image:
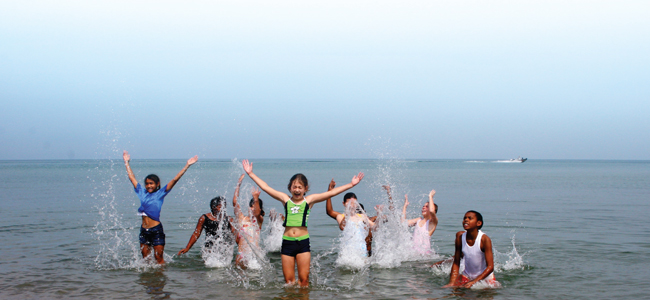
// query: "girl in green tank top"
[[295, 244]]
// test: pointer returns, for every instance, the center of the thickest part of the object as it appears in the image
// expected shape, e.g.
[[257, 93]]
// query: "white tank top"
[[474, 258]]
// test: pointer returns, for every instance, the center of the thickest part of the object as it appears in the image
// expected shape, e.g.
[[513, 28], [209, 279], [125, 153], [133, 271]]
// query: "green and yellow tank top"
[[296, 214]]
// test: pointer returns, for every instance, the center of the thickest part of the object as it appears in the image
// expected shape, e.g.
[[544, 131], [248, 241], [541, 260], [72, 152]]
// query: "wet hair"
[[261, 205], [479, 217], [348, 196], [362, 208], [434, 205], [216, 201], [154, 178], [300, 177]]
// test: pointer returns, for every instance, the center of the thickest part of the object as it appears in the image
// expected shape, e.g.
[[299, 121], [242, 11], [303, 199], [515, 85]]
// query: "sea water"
[[560, 229]]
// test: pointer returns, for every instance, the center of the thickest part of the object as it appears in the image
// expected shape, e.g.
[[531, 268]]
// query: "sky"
[[325, 79]]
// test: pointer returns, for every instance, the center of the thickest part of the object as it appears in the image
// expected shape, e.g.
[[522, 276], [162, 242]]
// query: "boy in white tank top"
[[476, 248]]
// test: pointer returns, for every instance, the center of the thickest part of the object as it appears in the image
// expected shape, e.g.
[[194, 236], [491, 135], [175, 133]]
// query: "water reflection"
[[154, 282], [294, 293]]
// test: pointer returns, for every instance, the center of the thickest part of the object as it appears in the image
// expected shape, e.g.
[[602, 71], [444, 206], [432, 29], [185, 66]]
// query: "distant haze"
[[325, 79]]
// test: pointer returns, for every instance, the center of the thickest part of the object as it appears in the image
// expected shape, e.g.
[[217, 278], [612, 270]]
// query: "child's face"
[[150, 185], [298, 189], [350, 202], [216, 209], [470, 221], [425, 209], [253, 210]]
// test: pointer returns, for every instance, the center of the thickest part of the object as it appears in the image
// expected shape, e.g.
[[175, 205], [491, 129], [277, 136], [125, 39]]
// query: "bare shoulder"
[[485, 240]]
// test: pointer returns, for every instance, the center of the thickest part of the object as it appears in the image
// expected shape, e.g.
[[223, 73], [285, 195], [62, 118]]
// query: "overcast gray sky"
[[325, 79]]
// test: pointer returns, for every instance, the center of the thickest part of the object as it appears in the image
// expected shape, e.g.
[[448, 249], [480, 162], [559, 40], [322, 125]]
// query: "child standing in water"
[[248, 233], [476, 248], [151, 197], [217, 227], [425, 226], [295, 240], [357, 217]]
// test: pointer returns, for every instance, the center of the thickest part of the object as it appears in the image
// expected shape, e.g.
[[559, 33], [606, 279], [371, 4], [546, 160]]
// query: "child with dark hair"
[[151, 197], [249, 227], [216, 224], [475, 248], [356, 214], [295, 240]]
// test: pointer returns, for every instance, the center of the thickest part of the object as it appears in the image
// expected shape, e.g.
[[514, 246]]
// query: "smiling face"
[[425, 209], [470, 221], [297, 190], [151, 186]]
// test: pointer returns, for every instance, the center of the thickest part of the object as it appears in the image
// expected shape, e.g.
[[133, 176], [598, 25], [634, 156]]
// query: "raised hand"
[[192, 160], [332, 185], [248, 167], [432, 193], [386, 187], [255, 191], [406, 200], [126, 156], [241, 178], [356, 179]]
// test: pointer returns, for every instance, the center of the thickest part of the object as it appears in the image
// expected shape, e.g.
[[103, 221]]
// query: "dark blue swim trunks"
[[154, 236], [295, 246]]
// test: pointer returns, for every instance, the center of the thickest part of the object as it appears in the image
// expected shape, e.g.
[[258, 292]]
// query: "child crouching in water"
[[476, 248]]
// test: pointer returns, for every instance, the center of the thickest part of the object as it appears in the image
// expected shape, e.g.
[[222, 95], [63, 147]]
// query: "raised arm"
[[328, 206], [195, 236], [129, 172], [410, 222], [235, 204], [257, 212], [432, 212], [455, 267], [315, 198], [387, 188], [391, 203], [190, 162], [248, 167], [486, 247]]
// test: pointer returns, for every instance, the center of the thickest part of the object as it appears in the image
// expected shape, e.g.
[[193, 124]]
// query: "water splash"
[[273, 232], [352, 240]]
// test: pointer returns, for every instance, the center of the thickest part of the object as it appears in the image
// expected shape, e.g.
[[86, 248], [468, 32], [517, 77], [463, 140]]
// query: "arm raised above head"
[[432, 213], [257, 211], [328, 206], [248, 168], [315, 198], [129, 172], [178, 176], [235, 204]]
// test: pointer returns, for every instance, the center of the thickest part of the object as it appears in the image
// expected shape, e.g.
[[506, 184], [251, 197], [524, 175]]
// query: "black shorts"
[[154, 236], [293, 248]]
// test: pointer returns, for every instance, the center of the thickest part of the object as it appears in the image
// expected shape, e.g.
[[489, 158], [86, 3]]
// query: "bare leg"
[[158, 253], [239, 261], [145, 249], [288, 268], [304, 261]]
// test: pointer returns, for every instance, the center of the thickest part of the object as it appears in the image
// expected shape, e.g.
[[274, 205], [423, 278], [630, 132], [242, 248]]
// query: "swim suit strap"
[[297, 239]]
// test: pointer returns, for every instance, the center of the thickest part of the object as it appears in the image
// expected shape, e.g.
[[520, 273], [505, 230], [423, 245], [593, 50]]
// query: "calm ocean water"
[[561, 229]]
